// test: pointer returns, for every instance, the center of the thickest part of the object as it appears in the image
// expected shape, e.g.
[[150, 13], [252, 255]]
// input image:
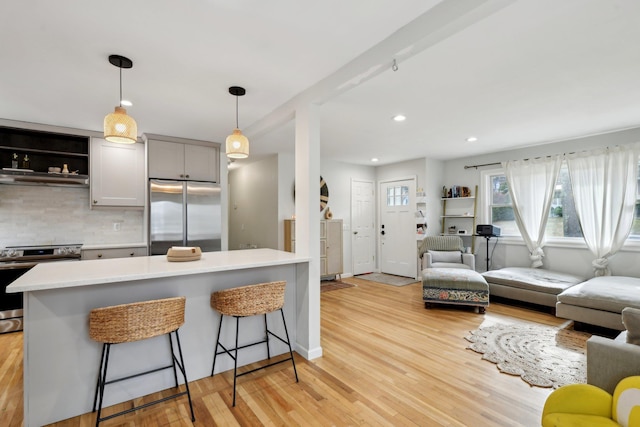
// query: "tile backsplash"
[[33, 215]]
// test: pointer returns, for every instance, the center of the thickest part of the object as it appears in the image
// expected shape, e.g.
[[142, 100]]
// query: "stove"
[[17, 260]]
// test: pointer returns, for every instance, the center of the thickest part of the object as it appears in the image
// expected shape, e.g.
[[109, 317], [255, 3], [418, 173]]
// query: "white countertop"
[[57, 275]]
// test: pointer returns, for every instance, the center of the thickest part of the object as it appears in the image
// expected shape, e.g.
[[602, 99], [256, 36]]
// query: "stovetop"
[[40, 252]]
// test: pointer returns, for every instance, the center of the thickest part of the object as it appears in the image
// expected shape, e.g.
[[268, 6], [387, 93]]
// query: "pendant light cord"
[[237, 127], [120, 83]]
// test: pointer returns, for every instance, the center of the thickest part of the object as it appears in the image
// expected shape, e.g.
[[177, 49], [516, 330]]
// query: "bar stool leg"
[[266, 334], [173, 360], [286, 332], [103, 380], [235, 362], [183, 369], [99, 380], [215, 351]]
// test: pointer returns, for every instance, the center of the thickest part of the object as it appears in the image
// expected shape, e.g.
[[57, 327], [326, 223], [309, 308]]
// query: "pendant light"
[[237, 143], [118, 126]]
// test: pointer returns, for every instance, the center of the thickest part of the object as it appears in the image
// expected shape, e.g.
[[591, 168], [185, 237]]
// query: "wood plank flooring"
[[387, 361]]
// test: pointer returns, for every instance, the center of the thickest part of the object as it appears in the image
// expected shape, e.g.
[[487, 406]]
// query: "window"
[[563, 220], [398, 196], [500, 206]]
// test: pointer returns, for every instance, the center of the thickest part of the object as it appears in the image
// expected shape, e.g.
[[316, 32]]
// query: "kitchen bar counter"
[[61, 361]]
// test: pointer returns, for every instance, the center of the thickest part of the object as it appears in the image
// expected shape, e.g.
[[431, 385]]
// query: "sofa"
[[599, 301], [610, 360], [532, 285]]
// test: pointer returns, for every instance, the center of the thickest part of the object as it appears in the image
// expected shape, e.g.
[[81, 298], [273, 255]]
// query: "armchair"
[[444, 252], [588, 405]]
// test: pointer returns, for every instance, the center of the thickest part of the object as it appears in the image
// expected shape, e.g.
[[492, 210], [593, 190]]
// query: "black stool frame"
[[236, 348], [102, 380]]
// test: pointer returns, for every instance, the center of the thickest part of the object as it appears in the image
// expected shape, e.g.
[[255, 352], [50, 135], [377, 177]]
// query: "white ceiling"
[[512, 73]]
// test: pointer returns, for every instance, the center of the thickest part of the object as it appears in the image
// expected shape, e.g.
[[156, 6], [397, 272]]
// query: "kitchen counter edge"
[[49, 276]]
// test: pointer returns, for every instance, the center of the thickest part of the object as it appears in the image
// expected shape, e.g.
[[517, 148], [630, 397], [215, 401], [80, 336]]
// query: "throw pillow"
[[631, 321], [446, 256]]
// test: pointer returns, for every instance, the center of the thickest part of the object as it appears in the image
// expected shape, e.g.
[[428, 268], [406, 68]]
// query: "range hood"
[[28, 177]]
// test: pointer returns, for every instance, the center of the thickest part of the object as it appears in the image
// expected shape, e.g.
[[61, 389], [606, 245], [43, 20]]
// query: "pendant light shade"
[[237, 143], [118, 126]]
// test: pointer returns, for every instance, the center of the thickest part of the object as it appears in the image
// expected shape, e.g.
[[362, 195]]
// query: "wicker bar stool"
[[244, 301], [135, 322]]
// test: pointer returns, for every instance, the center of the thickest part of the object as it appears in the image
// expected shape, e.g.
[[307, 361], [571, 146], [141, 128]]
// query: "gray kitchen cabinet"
[[117, 174], [114, 252], [183, 160]]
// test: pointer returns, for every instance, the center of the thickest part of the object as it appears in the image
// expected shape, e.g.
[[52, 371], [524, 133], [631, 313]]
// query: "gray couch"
[[533, 285], [609, 361], [600, 301]]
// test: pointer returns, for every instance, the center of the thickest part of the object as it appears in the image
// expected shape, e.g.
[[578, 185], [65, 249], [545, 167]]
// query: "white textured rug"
[[542, 356], [387, 279]]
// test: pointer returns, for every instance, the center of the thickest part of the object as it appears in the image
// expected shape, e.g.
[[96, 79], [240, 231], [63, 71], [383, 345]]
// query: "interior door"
[[362, 227], [397, 227]]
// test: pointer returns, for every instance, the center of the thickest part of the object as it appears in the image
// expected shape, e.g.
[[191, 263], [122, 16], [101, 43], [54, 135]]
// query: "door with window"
[[397, 227]]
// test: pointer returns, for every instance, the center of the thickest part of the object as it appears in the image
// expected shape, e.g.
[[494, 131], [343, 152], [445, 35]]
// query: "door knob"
[[355, 232]]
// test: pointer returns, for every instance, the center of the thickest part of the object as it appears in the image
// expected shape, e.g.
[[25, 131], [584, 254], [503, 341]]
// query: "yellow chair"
[[587, 405]]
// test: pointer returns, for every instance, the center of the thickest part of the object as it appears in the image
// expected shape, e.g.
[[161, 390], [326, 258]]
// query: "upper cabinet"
[[180, 159], [117, 174]]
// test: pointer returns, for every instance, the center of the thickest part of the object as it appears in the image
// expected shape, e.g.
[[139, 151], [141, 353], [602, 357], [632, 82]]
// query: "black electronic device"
[[487, 230]]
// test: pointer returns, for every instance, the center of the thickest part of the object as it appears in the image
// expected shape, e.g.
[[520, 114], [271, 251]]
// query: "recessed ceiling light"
[[472, 139], [399, 118], [126, 103], [375, 159]]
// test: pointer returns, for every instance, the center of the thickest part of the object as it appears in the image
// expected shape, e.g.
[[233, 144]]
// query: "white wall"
[[286, 200], [575, 260], [253, 209]]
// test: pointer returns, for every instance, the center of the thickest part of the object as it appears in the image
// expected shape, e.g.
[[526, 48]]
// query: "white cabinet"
[[114, 252], [117, 173], [331, 263], [179, 160]]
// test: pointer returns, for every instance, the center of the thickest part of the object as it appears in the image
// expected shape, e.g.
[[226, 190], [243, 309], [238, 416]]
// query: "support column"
[[307, 179]]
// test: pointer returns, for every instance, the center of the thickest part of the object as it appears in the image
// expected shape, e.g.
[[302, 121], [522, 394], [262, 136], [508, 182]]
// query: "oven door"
[[11, 304]]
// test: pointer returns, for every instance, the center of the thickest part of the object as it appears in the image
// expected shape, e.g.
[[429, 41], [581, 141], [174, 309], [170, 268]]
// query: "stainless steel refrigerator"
[[184, 213]]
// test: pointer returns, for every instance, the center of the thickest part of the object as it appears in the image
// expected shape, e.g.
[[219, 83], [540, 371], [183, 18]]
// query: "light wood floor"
[[387, 361]]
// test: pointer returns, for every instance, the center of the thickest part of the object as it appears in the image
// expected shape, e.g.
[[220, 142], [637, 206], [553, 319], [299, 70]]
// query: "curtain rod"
[[486, 164], [500, 163]]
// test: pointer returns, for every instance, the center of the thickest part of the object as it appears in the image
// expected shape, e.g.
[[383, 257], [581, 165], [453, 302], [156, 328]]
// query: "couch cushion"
[[609, 293], [450, 265], [533, 279], [631, 321], [445, 256]]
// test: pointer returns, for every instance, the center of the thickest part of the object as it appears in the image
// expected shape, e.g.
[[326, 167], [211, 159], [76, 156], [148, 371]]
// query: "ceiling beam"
[[437, 24]]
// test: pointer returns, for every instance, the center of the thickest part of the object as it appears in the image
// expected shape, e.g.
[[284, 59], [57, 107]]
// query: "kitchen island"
[[61, 361]]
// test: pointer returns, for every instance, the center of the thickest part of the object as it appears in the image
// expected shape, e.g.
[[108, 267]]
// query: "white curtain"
[[604, 191], [531, 186]]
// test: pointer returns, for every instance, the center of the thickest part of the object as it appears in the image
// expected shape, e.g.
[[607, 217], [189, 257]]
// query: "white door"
[[362, 224], [398, 228]]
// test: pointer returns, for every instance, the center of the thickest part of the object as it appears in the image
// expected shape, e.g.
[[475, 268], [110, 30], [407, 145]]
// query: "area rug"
[[332, 285], [387, 279], [542, 356]]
